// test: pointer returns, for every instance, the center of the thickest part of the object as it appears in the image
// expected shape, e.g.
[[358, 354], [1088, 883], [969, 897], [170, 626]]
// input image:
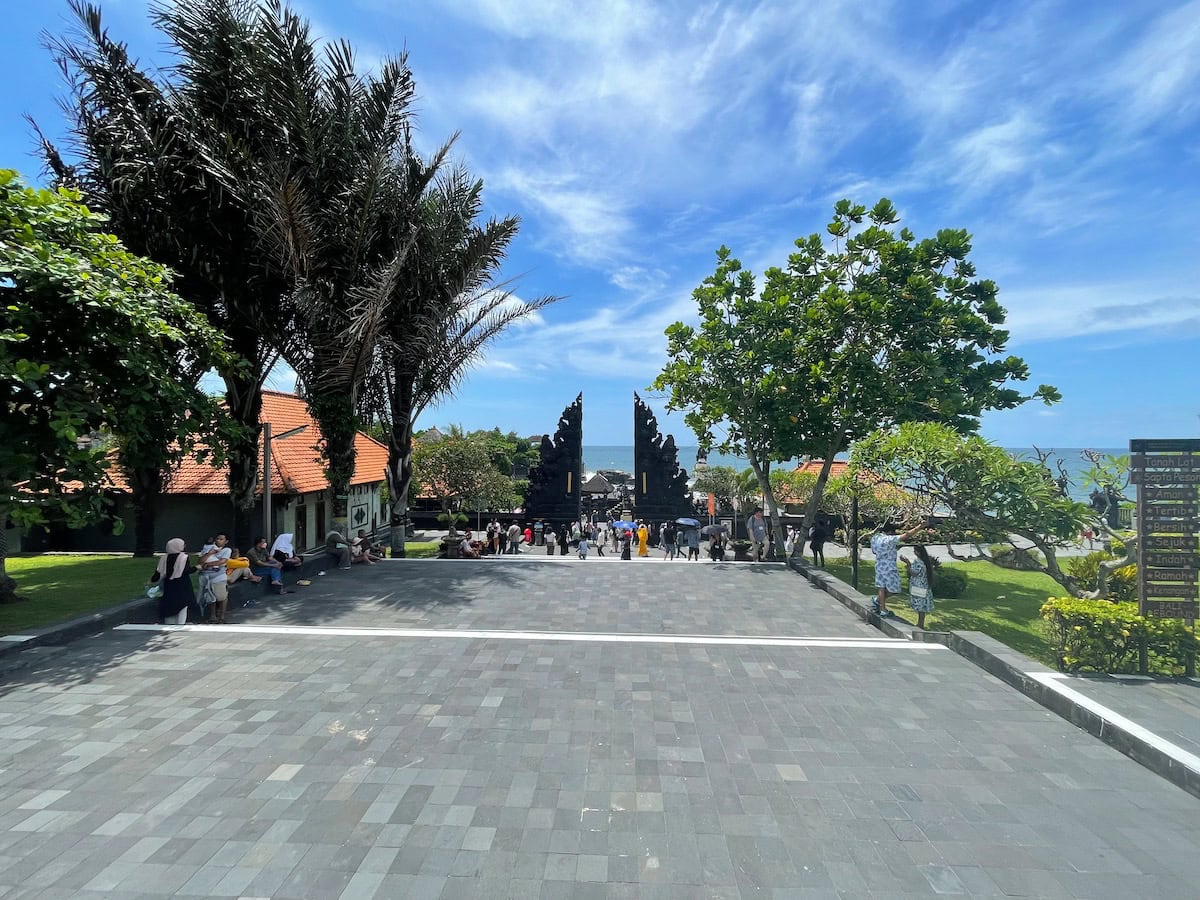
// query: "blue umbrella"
[[632, 526], [688, 523]]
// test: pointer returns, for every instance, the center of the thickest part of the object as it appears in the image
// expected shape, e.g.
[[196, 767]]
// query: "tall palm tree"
[[160, 158], [446, 308]]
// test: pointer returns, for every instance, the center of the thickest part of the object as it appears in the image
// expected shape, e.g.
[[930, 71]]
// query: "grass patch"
[[1002, 603], [421, 549], [56, 588]]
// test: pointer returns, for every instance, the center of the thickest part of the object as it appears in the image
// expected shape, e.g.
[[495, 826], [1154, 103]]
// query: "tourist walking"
[[756, 526], [920, 583], [670, 548], [885, 548], [564, 541], [627, 544], [693, 544], [583, 547], [177, 591], [514, 539], [548, 537], [643, 534], [816, 542]]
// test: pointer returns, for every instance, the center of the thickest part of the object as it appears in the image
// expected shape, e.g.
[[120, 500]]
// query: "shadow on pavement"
[[392, 586], [80, 662]]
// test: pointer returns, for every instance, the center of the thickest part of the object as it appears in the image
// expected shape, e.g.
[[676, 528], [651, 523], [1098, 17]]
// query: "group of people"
[[220, 565], [885, 546]]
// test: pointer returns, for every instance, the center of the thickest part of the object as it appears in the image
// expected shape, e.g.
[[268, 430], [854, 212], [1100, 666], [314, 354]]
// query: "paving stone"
[[203, 763]]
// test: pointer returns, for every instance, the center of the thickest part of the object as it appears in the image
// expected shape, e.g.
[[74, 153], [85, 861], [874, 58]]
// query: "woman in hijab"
[[178, 593], [283, 551], [642, 536]]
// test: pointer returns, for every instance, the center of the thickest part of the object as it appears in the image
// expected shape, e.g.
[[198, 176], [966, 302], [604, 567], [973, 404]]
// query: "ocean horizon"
[[619, 457]]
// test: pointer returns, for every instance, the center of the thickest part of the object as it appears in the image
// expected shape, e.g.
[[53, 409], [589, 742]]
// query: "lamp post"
[[268, 519]]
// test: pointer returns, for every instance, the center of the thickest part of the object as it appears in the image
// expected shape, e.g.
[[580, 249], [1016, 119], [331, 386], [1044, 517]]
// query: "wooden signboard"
[[1167, 473]]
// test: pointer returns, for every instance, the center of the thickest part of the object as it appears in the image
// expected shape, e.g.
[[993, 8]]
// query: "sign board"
[[1167, 475]]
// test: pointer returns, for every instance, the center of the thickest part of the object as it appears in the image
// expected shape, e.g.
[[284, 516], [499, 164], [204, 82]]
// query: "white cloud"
[[1118, 309], [1158, 78]]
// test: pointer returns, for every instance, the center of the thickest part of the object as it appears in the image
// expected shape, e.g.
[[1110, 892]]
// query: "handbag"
[[154, 591], [919, 593]]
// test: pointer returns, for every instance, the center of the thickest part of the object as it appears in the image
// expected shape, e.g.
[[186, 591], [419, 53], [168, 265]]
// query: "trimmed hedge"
[[1102, 636]]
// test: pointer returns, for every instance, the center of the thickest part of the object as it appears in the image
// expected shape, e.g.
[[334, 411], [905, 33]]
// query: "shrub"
[[1107, 637], [1009, 557], [1122, 582], [949, 583]]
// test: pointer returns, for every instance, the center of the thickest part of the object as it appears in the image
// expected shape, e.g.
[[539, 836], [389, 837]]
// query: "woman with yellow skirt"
[[643, 534]]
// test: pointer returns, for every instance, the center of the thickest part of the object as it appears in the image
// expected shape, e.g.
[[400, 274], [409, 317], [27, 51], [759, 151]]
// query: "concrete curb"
[[1015, 669]]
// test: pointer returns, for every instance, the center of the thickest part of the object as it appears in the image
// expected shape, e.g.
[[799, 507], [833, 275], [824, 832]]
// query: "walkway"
[[511, 729]]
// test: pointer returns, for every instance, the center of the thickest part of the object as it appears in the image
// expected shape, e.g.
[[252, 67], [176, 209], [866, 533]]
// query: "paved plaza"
[[526, 728]]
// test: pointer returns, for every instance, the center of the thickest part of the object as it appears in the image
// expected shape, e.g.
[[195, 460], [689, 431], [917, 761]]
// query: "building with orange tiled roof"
[[196, 502]]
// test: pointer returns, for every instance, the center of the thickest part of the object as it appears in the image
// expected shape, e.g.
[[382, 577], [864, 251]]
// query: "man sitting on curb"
[[265, 565], [338, 548], [467, 548]]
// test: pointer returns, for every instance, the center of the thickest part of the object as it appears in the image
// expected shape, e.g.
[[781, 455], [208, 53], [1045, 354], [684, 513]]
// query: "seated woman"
[[283, 551], [360, 552]]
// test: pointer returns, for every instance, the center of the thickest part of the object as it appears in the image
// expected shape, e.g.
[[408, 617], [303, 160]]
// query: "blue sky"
[[635, 138]]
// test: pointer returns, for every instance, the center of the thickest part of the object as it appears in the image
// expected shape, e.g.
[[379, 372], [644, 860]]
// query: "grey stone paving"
[[204, 763], [647, 596]]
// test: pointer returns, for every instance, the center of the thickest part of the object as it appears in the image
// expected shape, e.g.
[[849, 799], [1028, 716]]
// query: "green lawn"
[[1002, 603], [62, 587], [56, 588]]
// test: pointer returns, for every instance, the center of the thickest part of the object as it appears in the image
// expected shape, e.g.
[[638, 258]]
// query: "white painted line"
[[16, 638], [1053, 680], [578, 637]]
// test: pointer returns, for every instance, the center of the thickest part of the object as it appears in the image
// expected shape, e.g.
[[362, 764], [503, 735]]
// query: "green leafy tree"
[[872, 330], [720, 482], [90, 338], [732, 373], [986, 490], [892, 329], [458, 471]]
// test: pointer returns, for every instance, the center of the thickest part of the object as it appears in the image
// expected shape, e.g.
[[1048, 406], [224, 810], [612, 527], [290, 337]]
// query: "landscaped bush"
[[1122, 582], [949, 583], [1108, 637], [1009, 557]]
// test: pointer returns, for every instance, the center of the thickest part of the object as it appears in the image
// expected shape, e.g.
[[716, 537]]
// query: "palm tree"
[[445, 310], [337, 207], [160, 158]]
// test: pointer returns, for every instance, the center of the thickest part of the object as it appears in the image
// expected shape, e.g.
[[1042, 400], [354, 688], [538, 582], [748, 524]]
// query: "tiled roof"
[[296, 466], [836, 468]]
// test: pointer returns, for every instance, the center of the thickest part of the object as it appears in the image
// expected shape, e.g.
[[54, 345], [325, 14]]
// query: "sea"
[[619, 457]]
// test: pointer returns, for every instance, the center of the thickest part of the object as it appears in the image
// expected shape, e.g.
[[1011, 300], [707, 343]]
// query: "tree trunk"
[[400, 468], [146, 487], [818, 493], [243, 399], [763, 473], [8, 587]]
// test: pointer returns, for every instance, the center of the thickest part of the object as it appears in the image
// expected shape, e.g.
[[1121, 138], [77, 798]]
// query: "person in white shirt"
[[468, 552], [214, 578]]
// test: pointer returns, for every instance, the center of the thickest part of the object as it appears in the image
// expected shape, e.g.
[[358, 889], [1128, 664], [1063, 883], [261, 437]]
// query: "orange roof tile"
[[296, 466]]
